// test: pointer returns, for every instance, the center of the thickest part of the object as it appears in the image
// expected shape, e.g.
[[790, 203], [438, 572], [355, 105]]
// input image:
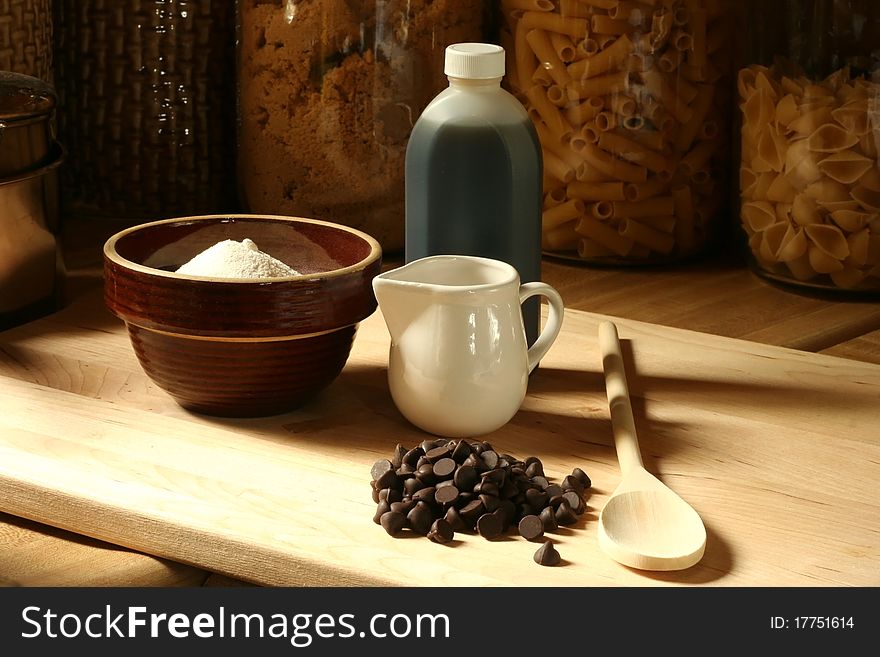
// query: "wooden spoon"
[[644, 524]]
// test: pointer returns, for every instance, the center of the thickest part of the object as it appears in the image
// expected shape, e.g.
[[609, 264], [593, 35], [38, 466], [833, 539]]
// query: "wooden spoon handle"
[[625, 440]]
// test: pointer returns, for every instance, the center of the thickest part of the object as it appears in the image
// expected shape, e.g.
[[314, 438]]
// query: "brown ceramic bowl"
[[241, 347]]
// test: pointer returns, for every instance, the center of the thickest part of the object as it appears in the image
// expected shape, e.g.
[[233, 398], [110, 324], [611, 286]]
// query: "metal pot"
[[29, 255], [26, 133]]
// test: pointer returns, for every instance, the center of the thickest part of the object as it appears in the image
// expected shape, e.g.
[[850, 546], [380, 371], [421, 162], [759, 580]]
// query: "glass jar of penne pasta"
[[329, 91], [632, 103], [809, 95]]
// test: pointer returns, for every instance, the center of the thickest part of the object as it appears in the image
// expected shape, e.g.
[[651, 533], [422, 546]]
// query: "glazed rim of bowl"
[[111, 253], [223, 308]]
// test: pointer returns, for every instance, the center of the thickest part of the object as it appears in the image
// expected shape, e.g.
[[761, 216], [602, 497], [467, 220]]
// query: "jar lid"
[[24, 97], [474, 61]]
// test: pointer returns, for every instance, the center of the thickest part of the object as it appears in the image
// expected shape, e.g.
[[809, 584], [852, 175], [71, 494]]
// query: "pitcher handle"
[[554, 319]]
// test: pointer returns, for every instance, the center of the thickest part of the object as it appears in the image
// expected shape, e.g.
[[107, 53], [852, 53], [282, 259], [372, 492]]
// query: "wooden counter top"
[[720, 298]]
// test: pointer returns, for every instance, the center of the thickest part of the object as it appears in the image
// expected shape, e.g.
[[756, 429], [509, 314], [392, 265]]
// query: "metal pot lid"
[[24, 97]]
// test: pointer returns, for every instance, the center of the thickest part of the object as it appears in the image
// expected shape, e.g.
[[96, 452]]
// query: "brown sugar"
[[328, 93]]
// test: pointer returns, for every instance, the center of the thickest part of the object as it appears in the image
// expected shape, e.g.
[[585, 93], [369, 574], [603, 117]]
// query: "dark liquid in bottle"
[[474, 188]]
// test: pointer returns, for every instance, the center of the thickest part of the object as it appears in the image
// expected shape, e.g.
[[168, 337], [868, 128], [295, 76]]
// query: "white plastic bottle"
[[474, 172]]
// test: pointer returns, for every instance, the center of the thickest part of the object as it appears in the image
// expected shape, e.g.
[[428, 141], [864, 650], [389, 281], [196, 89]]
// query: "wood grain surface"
[[776, 449]]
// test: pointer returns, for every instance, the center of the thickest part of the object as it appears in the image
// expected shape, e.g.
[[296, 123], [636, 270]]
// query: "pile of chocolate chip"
[[445, 486]]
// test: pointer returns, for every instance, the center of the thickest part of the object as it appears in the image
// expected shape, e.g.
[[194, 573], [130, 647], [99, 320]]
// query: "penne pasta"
[[628, 102]]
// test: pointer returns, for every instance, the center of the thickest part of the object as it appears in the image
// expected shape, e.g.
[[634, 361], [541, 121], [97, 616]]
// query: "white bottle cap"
[[474, 61]]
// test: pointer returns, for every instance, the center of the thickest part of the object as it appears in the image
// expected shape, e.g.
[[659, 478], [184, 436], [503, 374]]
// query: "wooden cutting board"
[[778, 450]]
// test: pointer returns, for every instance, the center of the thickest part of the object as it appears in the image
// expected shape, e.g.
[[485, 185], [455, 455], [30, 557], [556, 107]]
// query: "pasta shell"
[[758, 110], [868, 144], [853, 116], [807, 121], [831, 138], [771, 241], [866, 198], [793, 245], [747, 177], [786, 110], [801, 268], [805, 211], [758, 215], [783, 212], [780, 190], [790, 86], [766, 83], [827, 190], [848, 277], [812, 91], [801, 167], [845, 167], [859, 244], [829, 239], [871, 179], [834, 206], [851, 220], [821, 262]]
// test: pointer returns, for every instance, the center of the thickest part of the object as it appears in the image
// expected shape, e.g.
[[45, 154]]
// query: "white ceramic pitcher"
[[459, 364]]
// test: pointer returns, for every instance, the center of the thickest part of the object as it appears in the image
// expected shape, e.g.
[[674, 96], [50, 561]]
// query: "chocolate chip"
[[375, 493], [412, 457], [392, 522], [397, 456], [553, 490], [536, 498], [471, 511], [455, 520], [490, 502], [535, 469], [531, 527], [388, 479], [444, 468], [475, 462], [427, 445], [382, 508], [379, 468], [547, 555], [486, 488], [405, 470], [489, 525], [462, 451], [582, 477], [508, 510], [425, 473], [420, 518], [565, 515], [541, 482], [390, 495], [425, 494], [402, 507], [570, 483], [411, 485], [438, 453], [548, 517], [446, 495], [490, 458], [465, 477], [575, 501], [441, 531]]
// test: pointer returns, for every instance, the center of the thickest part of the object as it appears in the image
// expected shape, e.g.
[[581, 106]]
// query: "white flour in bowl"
[[231, 259]]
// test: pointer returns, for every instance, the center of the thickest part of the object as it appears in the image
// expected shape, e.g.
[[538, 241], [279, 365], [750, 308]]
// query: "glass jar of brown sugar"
[[632, 104], [329, 91], [809, 175], [146, 107]]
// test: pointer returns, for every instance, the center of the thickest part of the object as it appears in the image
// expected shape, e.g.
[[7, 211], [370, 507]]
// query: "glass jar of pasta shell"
[[329, 91], [632, 102], [809, 96]]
